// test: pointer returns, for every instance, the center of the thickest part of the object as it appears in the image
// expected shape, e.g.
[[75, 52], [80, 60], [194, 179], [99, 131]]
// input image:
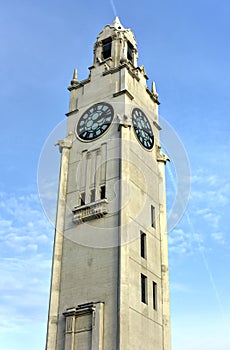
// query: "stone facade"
[[110, 286]]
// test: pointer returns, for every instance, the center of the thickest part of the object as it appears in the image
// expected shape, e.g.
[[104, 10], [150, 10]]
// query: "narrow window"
[[130, 51], [143, 288], [154, 295], [82, 198], [103, 192], [143, 244], [106, 48], [93, 195], [153, 216]]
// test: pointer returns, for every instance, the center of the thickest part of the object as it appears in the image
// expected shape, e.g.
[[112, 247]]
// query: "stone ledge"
[[80, 84], [90, 211], [132, 70], [125, 91], [80, 310], [72, 112], [153, 96], [157, 125]]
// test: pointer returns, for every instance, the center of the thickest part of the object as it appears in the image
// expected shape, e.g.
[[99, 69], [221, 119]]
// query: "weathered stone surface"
[[107, 187]]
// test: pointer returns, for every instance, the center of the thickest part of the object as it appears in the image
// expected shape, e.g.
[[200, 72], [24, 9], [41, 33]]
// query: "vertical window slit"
[[130, 51], [143, 244], [82, 198], [153, 216], [102, 192], [106, 48], [93, 195], [154, 295], [143, 288]]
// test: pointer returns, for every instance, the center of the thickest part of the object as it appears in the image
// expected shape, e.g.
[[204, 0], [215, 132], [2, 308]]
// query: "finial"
[[117, 24], [74, 81]]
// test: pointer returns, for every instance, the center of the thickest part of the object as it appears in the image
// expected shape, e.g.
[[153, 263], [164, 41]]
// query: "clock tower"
[[110, 285]]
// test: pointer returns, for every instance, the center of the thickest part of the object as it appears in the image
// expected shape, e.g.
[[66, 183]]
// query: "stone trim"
[[153, 96], [94, 310], [132, 72], [90, 211], [72, 112], [161, 157], [80, 84], [65, 143], [157, 125], [125, 91], [124, 121], [80, 310]]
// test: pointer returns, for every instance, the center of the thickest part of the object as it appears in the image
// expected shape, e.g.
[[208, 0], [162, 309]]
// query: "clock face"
[[142, 128], [95, 121]]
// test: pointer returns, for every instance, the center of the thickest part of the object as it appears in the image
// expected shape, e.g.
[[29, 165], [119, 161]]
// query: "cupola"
[[115, 45]]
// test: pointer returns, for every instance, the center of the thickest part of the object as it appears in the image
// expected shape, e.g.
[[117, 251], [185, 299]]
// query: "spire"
[[117, 24]]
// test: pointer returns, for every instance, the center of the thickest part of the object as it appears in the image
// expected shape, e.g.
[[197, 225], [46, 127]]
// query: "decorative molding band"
[[80, 84], [115, 69], [125, 91], [80, 310], [90, 211], [132, 71]]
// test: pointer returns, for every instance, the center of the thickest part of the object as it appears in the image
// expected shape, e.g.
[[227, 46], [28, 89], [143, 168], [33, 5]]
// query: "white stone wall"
[[100, 260]]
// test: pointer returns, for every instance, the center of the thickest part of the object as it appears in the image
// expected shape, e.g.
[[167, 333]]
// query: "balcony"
[[91, 211]]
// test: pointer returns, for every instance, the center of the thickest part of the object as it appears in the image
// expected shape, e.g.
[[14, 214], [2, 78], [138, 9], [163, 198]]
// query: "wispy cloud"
[[25, 242], [218, 237], [184, 241], [205, 222], [179, 241], [24, 294], [23, 226], [210, 206]]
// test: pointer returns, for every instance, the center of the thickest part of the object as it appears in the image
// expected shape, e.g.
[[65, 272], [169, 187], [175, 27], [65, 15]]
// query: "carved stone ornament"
[[80, 310], [115, 36], [65, 143], [90, 211], [124, 121], [106, 66], [161, 157]]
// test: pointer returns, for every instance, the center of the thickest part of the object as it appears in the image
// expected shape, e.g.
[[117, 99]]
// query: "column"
[[51, 339]]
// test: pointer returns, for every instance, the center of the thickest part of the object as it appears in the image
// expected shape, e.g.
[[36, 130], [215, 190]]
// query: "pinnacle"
[[117, 24], [74, 80]]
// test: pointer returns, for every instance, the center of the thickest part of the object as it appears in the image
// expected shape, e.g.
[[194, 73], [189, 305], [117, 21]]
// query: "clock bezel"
[[104, 132], [143, 114]]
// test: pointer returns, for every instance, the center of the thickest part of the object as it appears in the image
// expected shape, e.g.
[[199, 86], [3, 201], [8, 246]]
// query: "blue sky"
[[184, 47]]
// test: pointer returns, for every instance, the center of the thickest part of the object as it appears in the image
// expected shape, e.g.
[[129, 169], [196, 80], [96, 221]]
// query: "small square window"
[[143, 244], [143, 288]]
